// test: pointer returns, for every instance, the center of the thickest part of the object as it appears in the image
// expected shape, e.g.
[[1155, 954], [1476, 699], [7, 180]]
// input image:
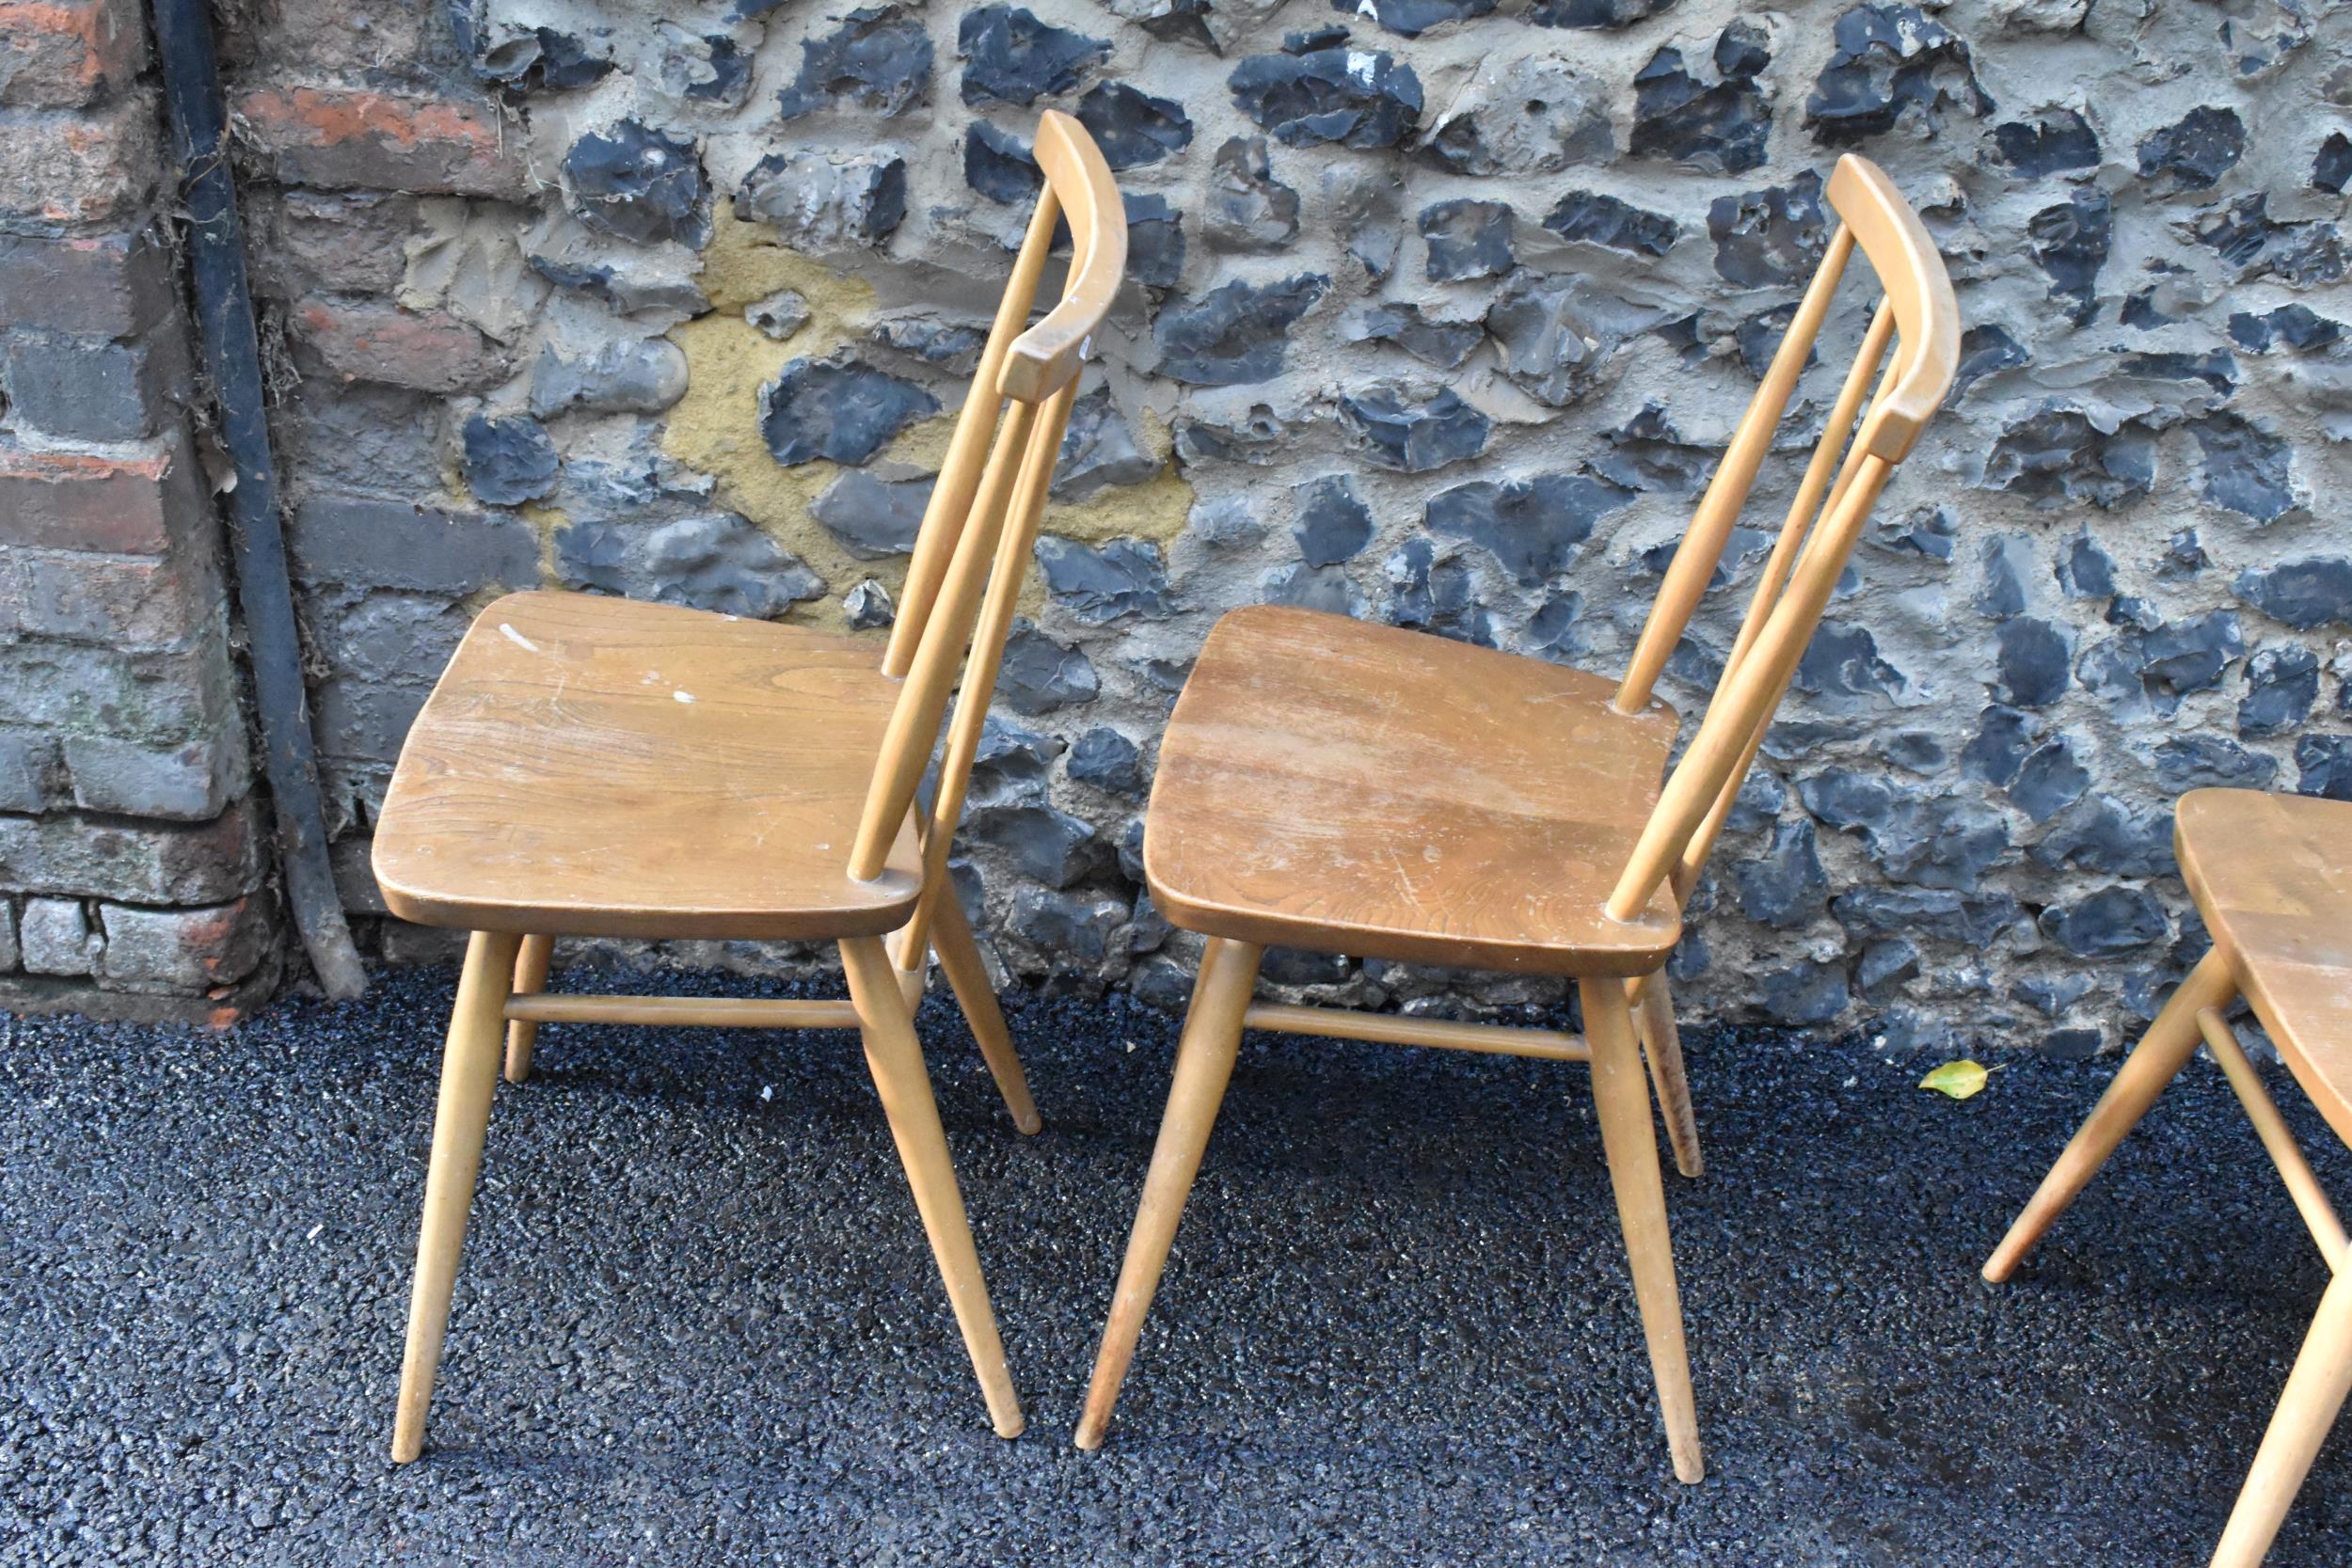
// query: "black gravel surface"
[[697, 1322]]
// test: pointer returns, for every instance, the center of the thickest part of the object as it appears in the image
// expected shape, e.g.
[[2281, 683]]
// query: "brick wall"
[[132, 864]]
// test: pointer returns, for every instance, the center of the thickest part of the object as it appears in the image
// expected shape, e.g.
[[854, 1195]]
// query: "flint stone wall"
[[1439, 313]]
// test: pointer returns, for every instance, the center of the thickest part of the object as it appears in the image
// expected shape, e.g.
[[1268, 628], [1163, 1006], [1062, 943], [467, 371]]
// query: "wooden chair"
[[2272, 875], [1359, 789], [594, 767]]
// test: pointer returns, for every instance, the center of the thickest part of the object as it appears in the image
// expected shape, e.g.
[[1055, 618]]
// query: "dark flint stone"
[[1133, 128], [839, 409], [815, 202], [2113, 920], [1413, 18], [1467, 238], [2282, 684], [1107, 760], [2054, 141], [1554, 338], [730, 73], [1915, 750], [2208, 761], [868, 607], [1436, 595], [1717, 120], [1009, 57], [1769, 238], [2325, 767], [878, 58], [1156, 241], [1099, 583], [2246, 469], [1891, 61], [2085, 571], [1932, 840], [1784, 887], [1416, 437], [1039, 674], [1929, 532], [1804, 993], [2052, 995], [538, 60], [1614, 225], [2003, 738], [2032, 662], [2007, 561], [2311, 592], [1249, 209], [954, 344], [2215, 371], [1445, 344], [2298, 327], [872, 518], [2056, 451], [2331, 167], [713, 561], [1324, 588], [2070, 243], [1937, 914], [1556, 631], [1000, 166], [508, 461], [1987, 350], [1322, 93], [1531, 526], [2157, 665], [1045, 845], [635, 183], [1234, 335], [1098, 449], [1010, 763], [1070, 930], [1332, 522], [2193, 154], [1883, 966], [1842, 664], [2049, 780]]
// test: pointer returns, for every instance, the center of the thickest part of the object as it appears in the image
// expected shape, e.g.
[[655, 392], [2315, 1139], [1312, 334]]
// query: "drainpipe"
[[232, 356]]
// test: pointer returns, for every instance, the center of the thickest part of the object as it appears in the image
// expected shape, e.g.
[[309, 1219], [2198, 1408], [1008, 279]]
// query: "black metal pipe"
[[232, 355]]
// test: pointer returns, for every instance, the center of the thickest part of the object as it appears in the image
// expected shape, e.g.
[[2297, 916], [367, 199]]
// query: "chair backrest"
[[1920, 317], [973, 551]]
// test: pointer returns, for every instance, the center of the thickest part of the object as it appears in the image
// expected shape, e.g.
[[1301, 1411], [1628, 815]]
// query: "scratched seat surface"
[[1360, 789], [594, 765], [2272, 875]]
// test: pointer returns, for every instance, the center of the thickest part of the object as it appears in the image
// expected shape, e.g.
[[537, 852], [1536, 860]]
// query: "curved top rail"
[[1047, 356], [1926, 318]]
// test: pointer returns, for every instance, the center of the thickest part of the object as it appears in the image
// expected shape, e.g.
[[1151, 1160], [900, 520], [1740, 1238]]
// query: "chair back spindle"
[[1919, 318], [971, 553]]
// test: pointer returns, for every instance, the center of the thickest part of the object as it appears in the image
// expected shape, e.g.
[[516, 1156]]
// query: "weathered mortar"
[[1548, 244]]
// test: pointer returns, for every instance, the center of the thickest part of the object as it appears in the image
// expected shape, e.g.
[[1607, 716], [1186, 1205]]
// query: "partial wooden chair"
[[2272, 875], [1358, 789], [594, 767]]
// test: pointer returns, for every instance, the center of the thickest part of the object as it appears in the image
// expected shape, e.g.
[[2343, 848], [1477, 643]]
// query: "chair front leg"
[[1204, 1064], [967, 976], [531, 962], [2315, 1392], [470, 1068], [1630, 1141], [896, 1059], [1662, 1042], [2152, 1065]]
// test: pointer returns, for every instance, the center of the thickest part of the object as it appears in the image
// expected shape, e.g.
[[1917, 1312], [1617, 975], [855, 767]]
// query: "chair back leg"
[[1630, 1140], [531, 962], [1661, 1043], [2315, 1392], [2152, 1065], [470, 1069], [967, 976], [1204, 1064], [896, 1059]]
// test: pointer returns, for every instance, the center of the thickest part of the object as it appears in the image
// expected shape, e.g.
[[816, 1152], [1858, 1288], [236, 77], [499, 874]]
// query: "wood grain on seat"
[[2272, 875], [1352, 788], [596, 766]]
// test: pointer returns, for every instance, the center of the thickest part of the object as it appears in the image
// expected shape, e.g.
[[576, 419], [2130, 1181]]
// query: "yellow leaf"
[[1959, 1079]]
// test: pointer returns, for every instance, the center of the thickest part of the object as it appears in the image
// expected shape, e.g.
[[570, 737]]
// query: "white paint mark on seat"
[[517, 637], [683, 696]]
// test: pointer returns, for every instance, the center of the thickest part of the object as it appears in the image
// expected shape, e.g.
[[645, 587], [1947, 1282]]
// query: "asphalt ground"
[[697, 1322]]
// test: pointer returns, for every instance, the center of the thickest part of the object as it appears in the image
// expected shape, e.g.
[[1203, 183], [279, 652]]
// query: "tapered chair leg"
[[531, 975], [896, 1059], [2315, 1392], [469, 1067], [1627, 1137], [967, 976], [2152, 1065], [1204, 1064], [1662, 1042]]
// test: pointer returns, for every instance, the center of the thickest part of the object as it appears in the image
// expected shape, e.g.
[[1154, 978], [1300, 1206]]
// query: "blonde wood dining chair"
[[1359, 789], [594, 767], [2272, 876]]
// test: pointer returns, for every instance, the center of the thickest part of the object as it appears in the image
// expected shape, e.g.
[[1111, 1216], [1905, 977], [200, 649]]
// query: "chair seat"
[[2272, 875], [598, 766], [1351, 788]]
